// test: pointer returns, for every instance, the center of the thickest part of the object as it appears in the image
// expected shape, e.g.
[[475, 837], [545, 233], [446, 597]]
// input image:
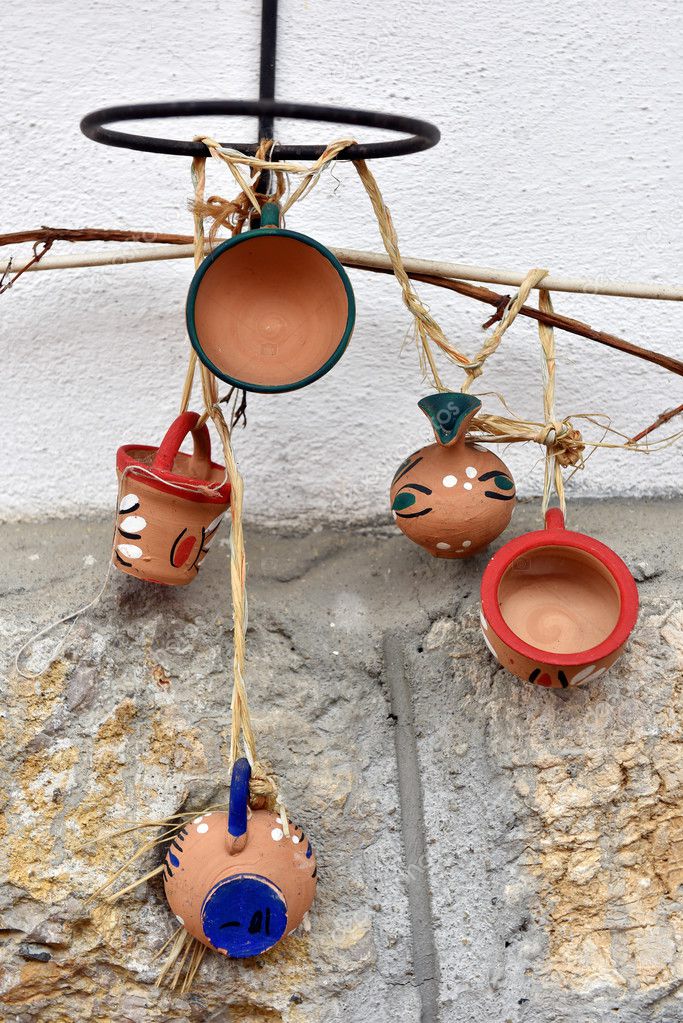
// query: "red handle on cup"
[[554, 519], [200, 461]]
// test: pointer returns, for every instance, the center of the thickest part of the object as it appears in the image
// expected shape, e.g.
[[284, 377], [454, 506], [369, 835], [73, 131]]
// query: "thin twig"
[[5, 284], [659, 421]]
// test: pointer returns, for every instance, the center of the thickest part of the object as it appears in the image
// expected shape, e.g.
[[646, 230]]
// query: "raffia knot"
[[563, 441], [263, 787]]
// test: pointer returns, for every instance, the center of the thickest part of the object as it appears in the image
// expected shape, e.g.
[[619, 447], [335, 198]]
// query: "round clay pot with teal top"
[[236, 882], [270, 310], [452, 497]]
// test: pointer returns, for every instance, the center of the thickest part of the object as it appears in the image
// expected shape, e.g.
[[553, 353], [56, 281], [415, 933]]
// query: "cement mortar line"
[[425, 961], [461, 271]]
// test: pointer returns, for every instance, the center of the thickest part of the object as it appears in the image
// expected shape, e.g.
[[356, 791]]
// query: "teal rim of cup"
[[248, 236]]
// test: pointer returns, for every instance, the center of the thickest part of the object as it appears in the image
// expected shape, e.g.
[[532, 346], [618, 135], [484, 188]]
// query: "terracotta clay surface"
[[560, 600], [244, 903], [163, 531], [271, 311], [557, 606], [452, 497]]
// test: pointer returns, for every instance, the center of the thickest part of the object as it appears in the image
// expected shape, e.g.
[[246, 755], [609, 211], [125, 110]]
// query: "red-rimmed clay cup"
[[455, 496], [235, 881], [164, 527], [557, 607], [270, 310]]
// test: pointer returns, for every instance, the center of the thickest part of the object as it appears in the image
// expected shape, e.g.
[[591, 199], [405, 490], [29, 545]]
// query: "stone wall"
[[528, 871]]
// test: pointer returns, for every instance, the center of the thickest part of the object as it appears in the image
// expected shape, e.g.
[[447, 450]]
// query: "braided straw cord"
[[474, 369]]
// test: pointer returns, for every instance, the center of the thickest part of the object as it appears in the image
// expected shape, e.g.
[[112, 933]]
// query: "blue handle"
[[239, 798]]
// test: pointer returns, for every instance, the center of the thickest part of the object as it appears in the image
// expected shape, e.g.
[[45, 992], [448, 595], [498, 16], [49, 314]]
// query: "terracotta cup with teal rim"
[[270, 310]]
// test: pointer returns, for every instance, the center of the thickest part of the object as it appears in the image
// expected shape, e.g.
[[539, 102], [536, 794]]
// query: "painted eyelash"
[[118, 557], [416, 486], [413, 515], [401, 472], [129, 536], [499, 497]]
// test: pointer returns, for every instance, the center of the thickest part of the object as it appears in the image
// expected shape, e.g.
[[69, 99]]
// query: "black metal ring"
[[421, 134]]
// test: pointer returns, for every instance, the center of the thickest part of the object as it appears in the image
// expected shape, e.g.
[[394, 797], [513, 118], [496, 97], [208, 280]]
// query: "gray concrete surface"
[[533, 875]]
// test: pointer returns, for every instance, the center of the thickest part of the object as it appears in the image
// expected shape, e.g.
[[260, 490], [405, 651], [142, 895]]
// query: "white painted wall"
[[560, 147]]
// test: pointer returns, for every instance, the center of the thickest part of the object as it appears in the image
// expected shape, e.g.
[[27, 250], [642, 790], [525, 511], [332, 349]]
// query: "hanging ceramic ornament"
[[170, 505], [452, 497], [270, 310], [556, 606], [238, 882]]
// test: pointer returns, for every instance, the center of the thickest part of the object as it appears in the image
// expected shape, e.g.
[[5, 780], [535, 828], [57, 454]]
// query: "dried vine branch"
[[659, 421], [91, 234], [567, 323], [477, 292]]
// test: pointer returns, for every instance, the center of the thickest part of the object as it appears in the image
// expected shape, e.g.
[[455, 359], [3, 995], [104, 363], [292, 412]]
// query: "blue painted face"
[[244, 915]]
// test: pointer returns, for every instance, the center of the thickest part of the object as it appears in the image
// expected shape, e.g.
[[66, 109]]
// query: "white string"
[[142, 470]]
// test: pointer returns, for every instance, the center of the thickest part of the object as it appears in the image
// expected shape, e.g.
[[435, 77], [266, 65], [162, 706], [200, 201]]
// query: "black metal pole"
[[266, 88], [266, 122]]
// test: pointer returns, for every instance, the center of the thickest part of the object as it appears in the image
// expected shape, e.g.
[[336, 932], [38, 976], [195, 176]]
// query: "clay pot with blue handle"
[[235, 881], [455, 496]]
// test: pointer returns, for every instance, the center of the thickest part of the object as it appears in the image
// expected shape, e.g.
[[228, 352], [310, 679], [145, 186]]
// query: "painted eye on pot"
[[502, 481], [406, 499]]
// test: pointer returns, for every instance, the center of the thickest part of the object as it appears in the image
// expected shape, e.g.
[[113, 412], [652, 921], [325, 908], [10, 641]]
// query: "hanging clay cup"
[[235, 881], [270, 310], [164, 529], [557, 607], [453, 497]]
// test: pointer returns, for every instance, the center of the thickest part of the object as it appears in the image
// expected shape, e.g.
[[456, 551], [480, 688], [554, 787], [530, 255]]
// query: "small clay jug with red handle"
[[165, 525], [235, 881], [455, 496], [556, 606]]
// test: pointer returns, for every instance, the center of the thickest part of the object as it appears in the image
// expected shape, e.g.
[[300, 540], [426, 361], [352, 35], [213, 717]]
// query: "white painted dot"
[[443, 546], [198, 820], [133, 524], [471, 472], [129, 550], [295, 839], [279, 820], [128, 502], [467, 543], [180, 919], [202, 828], [277, 834], [449, 481], [467, 486]]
